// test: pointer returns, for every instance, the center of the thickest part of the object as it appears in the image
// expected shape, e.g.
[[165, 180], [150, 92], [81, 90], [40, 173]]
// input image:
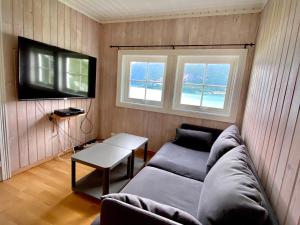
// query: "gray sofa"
[[203, 177]]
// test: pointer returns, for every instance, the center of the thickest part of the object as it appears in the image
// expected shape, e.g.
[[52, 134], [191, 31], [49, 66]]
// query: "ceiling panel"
[[107, 11]]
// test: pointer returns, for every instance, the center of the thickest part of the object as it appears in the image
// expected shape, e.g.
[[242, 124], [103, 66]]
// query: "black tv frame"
[[22, 42]]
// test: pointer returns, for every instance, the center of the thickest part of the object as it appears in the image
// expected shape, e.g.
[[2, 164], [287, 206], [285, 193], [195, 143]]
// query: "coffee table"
[[104, 158], [131, 142]]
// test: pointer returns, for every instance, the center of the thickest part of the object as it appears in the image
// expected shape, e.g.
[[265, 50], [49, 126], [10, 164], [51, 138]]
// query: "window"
[[143, 80], [45, 70], [205, 84], [195, 83], [77, 74]]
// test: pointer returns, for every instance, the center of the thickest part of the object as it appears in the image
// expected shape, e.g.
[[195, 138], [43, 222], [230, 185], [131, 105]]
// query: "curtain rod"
[[174, 46]]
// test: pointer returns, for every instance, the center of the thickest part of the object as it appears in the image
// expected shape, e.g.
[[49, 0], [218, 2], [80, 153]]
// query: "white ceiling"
[[108, 11]]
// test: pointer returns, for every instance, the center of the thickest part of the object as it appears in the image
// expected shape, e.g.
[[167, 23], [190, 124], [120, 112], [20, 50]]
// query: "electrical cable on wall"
[[86, 119], [60, 131]]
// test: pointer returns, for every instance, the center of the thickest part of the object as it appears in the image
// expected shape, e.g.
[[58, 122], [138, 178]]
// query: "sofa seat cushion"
[[228, 139], [231, 193], [166, 188], [182, 161]]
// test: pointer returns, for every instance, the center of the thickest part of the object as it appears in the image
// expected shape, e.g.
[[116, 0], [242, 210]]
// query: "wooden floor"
[[43, 195]]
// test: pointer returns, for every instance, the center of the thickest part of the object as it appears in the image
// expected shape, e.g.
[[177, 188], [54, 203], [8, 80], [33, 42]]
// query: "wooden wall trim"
[[271, 121]]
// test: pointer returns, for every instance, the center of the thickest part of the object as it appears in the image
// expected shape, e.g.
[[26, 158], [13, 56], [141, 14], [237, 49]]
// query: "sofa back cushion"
[[231, 193], [149, 205], [227, 140], [193, 139]]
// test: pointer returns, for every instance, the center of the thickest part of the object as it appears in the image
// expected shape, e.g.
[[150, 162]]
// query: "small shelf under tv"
[[58, 117]]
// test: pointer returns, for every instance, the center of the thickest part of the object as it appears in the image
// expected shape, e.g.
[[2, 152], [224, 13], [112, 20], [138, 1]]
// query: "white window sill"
[[201, 115]]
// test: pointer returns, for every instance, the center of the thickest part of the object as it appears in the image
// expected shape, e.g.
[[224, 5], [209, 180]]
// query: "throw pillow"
[[228, 139], [193, 139]]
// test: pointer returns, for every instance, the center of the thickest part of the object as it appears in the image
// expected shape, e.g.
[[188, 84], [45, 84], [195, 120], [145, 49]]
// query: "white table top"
[[101, 155], [127, 141]]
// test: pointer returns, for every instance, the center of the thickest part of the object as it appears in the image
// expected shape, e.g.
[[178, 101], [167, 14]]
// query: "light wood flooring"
[[43, 195]]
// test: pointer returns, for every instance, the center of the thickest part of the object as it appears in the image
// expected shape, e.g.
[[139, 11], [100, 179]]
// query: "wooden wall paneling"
[[265, 84], [61, 24], [55, 133], [53, 41], [195, 34], [254, 80], [86, 48], [94, 52], [291, 108], [87, 44], [58, 139], [283, 103], [274, 89], [80, 135], [39, 121], [62, 131], [47, 103], [37, 21], [67, 133], [30, 105], [293, 210], [53, 22], [177, 31], [66, 17], [107, 101], [10, 81], [99, 66], [257, 99], [73, 47], [289, 160], [275, 120], [47, 21], [18, 10]]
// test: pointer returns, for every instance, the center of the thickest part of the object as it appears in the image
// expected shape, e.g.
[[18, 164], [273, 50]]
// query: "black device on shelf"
[[49, 72], [68, 112]]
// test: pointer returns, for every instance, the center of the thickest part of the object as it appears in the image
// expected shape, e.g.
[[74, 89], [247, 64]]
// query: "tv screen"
[[48, 72]]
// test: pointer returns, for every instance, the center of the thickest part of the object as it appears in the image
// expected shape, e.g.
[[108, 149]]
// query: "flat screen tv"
[[49, 72]]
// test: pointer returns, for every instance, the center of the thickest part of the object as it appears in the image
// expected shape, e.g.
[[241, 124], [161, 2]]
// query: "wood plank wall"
[[271, 126], [31, 137], [204, 30]]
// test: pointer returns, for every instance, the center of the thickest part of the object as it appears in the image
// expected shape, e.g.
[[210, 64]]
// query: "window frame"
[[170, 92], [125, 78], [182, 60]]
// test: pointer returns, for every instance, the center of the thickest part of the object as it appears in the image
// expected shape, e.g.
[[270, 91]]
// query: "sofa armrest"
[[115, 212]]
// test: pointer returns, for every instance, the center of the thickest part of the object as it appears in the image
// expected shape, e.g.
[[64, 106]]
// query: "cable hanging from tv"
[[245, 45]]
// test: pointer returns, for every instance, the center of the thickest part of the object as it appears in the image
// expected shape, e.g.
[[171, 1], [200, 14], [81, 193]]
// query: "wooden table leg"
[[132, 164], [105, 181], [146, 151], [73, 174]]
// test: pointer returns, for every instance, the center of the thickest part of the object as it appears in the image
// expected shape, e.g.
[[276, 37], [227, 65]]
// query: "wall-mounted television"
[[49, 72]]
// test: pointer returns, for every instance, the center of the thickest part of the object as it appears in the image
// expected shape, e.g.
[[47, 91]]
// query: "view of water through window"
[[146, 81], [203, 84]]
